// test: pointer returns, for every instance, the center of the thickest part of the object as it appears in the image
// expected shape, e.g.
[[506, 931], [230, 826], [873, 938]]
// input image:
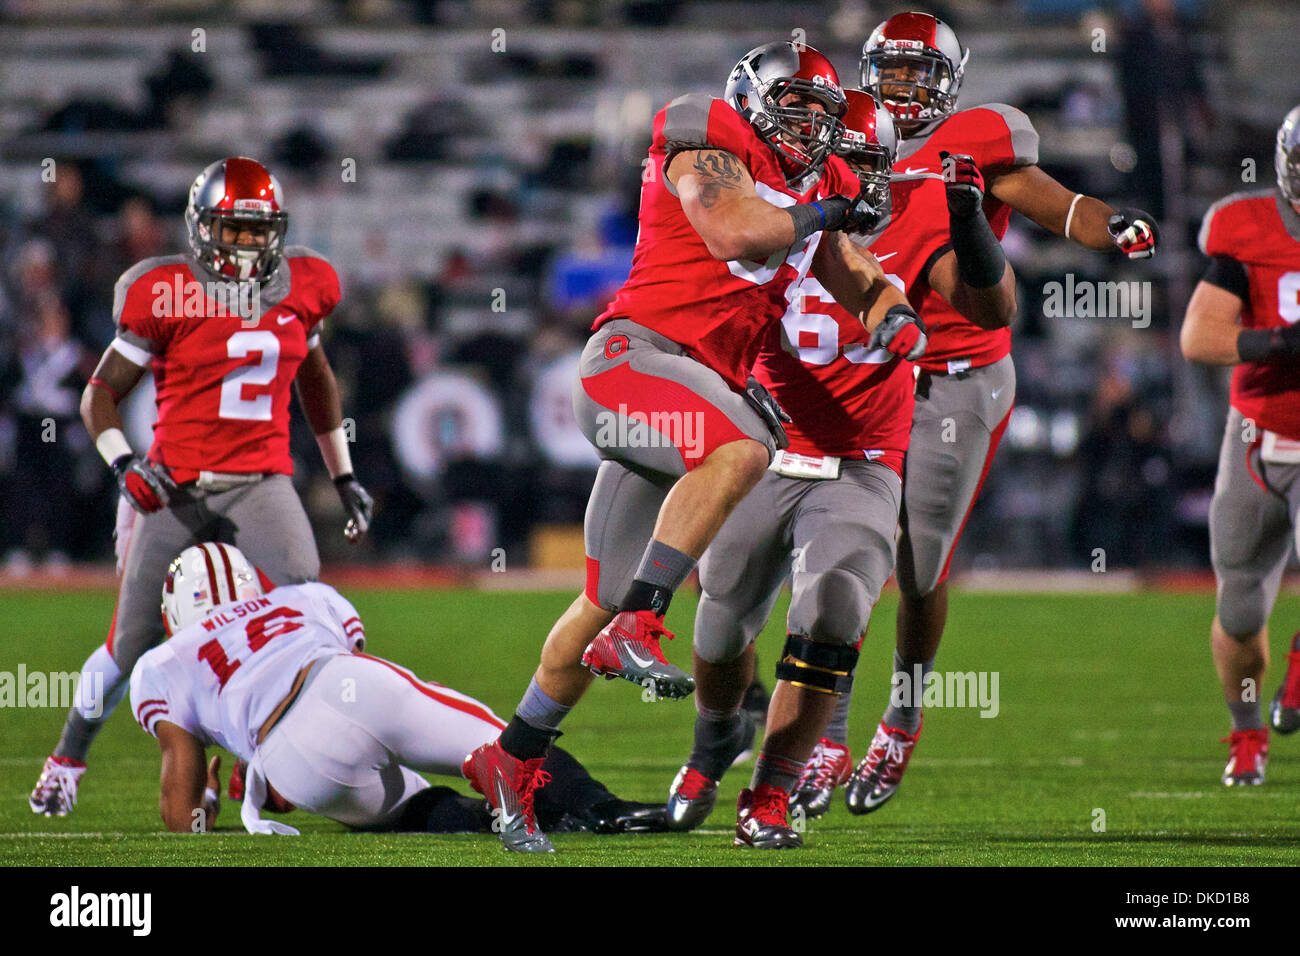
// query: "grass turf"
[[1106, 703]]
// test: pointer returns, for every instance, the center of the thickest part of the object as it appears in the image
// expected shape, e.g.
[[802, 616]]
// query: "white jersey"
[[220, 678]]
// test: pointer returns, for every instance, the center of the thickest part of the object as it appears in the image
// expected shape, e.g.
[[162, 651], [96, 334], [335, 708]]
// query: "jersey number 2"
[[233, 403]]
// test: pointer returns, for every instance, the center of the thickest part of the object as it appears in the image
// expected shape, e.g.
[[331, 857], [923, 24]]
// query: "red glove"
[[963, 182], [146, 487]]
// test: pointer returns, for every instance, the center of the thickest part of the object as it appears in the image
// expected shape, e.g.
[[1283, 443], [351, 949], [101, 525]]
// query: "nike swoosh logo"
[[909, 171], [639, 660], [997, 392], [887, 255], [285, 319]]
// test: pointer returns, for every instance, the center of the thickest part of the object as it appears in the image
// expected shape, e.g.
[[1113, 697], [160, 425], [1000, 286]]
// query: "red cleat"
[[829, 767], [1284, 713], [509, 784], [877, 777], [761, 820], [1247, 755], [628, 647]]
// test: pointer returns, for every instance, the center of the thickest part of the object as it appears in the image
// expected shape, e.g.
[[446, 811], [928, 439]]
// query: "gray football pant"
[[956, 427], [834, 538], [265, 520], [1253, 521], [653, 413]]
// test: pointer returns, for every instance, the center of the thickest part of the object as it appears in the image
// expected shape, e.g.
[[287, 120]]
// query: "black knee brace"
[[827, 668]]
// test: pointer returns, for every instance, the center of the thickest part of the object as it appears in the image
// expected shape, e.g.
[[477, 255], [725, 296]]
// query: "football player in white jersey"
[[280, 679]]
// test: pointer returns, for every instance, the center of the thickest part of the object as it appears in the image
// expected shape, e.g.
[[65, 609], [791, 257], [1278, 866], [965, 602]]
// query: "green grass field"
[[1107, 702]]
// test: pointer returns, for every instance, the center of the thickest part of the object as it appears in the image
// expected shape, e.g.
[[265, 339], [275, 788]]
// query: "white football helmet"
[[1286, 157], [202, 577]]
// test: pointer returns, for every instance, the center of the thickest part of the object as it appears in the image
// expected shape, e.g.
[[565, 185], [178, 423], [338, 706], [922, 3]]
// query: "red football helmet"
[[868, 144], [238, 193], [913, 63], [801, 136]]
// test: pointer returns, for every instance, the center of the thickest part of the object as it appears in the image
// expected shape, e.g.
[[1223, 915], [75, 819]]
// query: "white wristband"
[[334, 450], [1070, 215], [112, 445]]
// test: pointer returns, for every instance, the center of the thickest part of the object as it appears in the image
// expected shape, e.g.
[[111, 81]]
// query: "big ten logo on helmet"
[[191, 299]]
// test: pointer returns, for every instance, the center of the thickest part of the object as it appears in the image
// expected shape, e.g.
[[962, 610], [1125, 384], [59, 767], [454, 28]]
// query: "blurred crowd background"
[[471, 167]]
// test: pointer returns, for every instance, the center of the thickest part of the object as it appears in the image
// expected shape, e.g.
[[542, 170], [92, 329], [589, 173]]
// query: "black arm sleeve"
[[1230, 275]]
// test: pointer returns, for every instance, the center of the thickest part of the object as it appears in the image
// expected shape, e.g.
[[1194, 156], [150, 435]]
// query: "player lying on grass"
[[1243, 313], [830, 501], [913, 63], [738, 192], [228, 330], [278, 678]]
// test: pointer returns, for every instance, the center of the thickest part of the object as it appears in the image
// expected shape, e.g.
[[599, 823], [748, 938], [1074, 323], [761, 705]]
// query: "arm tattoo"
[[717, 170]]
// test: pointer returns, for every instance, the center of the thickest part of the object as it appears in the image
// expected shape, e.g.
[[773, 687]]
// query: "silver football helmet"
[[868, 144], [802, 137], [1286, 157], [239, 194], [913, 63]]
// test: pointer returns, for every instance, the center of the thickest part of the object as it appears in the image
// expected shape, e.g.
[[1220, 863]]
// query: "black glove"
[[147, 488], [357, 503], [1134, 233], [773, 415]]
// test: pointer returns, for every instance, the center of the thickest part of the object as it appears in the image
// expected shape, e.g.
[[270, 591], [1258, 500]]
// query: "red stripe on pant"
[[592, 590], [643, 397], [425, 688], [988, 461]]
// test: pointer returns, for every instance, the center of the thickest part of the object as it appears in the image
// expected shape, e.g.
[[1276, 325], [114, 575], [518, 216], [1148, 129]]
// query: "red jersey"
[[847, 401], [1261, 231], [718, 311], [222, 380], [998, 137]]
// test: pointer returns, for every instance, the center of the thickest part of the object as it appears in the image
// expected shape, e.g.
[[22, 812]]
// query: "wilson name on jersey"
[[220, 678]]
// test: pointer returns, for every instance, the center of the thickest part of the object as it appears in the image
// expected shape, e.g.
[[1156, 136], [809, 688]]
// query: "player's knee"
[[817, 665], [835, 608], [718, 634], [745, 461], [1242, 614]]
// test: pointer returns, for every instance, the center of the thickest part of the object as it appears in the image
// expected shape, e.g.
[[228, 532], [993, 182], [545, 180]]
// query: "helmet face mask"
[[802, 136], [202, 577], [868, 144], [231, 197], [1286, 158], [913, 63]]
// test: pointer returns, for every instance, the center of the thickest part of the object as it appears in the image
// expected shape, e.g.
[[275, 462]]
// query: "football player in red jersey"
[[1243, 313], [914, 64], [227, 330], [737, 195], [830, 501]]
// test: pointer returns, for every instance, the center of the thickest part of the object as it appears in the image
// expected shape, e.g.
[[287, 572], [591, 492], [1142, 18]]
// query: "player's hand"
[[357, 503], [147, 488], [1134, 233], [901, 333], [963, 182], [211, 796]]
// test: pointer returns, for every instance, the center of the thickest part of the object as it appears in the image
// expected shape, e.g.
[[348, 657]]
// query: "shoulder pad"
[[1222, 217]]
